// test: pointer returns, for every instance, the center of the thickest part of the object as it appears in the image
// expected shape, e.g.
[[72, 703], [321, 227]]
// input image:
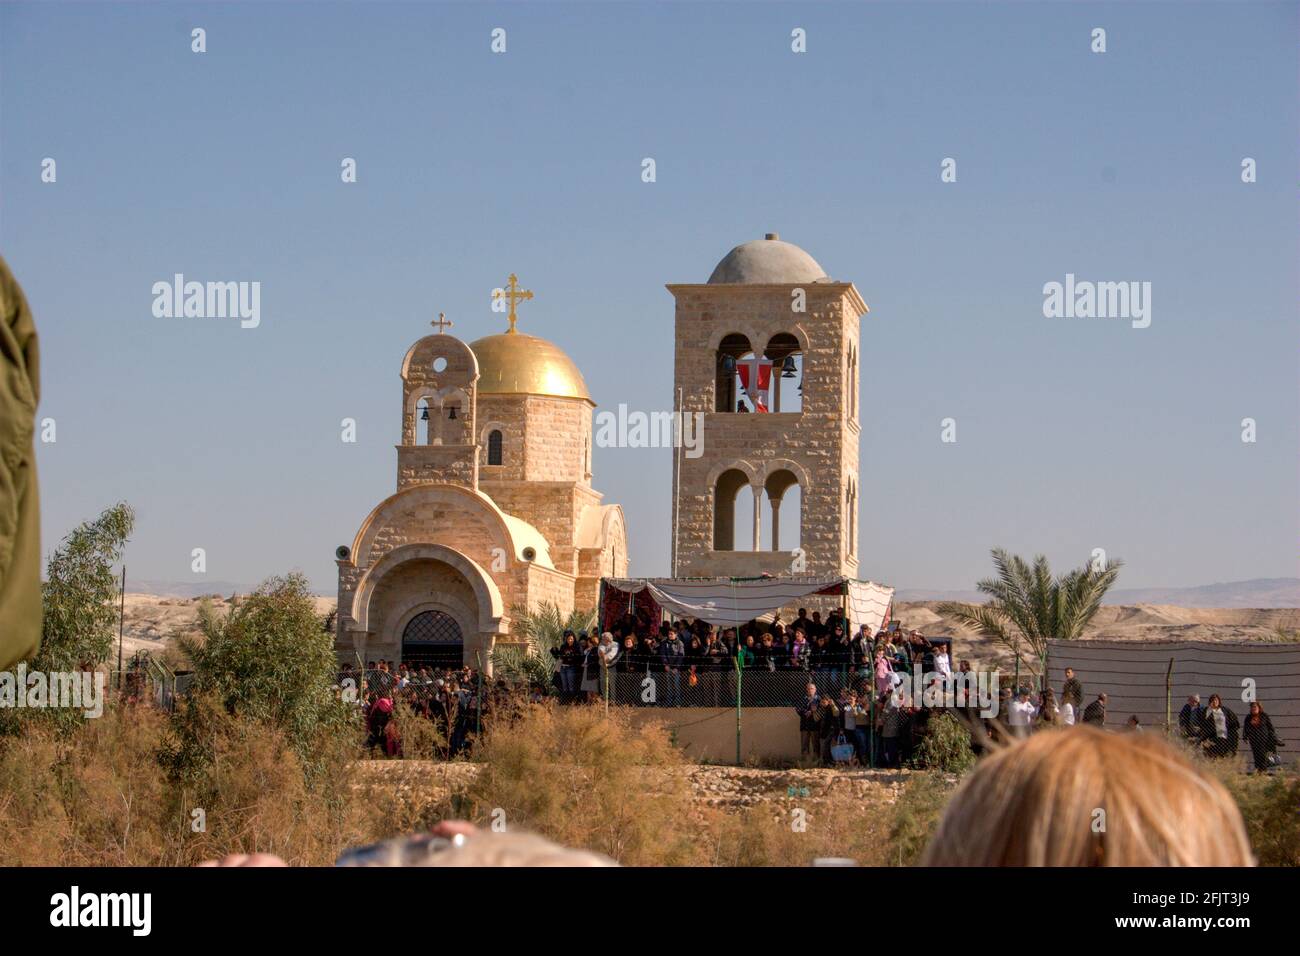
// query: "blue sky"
[[1072, 433]]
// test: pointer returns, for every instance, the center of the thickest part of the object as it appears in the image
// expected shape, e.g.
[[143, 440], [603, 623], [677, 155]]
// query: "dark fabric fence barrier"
[[1133, 676]]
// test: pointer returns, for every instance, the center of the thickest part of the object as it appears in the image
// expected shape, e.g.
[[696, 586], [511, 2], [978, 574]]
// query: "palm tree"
[[1028, 607], [543, 628]]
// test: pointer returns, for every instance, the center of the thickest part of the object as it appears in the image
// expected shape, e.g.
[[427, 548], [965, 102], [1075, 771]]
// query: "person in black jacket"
[[569, 655], [1095, 713], [1259, 733], [1189, 718], [809, 741], [1220, 729]]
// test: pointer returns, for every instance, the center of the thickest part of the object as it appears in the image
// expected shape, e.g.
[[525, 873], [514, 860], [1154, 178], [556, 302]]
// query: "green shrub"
[[946, 747], [916, 816], [1270, 806], [269, 659]]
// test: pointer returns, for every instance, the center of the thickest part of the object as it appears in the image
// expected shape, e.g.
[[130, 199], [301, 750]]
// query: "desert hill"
[[154, 620]]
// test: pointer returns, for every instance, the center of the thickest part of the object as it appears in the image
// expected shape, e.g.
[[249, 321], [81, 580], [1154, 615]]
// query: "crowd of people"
[[684, 652], [866, 715], [1212, 728], [1218, 732], [870, 721], [457, 700]]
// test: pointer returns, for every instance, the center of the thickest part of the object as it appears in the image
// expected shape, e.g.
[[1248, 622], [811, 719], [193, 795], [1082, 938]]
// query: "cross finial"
[[442, 323], [514, 294]]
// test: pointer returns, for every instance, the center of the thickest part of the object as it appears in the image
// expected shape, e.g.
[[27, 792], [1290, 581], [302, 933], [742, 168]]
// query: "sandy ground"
[[153, 621]]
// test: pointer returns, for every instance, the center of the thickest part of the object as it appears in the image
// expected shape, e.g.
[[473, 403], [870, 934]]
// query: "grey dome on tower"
[[767, 261]]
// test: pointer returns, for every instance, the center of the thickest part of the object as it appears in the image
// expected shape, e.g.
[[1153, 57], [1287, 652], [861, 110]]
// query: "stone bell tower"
[[767, 350]]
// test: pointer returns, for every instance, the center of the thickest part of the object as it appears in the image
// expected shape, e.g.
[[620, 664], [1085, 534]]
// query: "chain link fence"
[[146, 680], [734, 687]]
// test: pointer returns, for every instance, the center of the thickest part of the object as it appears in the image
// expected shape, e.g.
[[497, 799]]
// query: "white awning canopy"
[[731, 601]]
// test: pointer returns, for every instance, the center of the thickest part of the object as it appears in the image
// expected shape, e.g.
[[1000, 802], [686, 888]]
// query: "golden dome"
[[513, 363]]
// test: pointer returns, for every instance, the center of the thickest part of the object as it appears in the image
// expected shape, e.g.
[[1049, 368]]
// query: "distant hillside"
[[1255, 593], [184, 589]]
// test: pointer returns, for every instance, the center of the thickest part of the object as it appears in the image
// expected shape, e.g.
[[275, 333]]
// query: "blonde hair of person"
[[1080, 796]]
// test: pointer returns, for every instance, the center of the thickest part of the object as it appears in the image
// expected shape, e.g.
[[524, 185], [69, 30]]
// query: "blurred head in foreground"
[[1083, 797], [477, 847]]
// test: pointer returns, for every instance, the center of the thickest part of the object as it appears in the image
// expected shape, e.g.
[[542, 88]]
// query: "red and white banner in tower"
[[756, 379]]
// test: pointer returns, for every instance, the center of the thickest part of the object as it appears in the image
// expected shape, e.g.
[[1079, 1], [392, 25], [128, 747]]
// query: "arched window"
[[785, 503], [731, 350], [727, 502], [853, 382], [494, 447], [424, 425], [851, 518], [787, 373]]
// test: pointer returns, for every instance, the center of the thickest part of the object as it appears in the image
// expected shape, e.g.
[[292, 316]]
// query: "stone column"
[[758, 516], [776, 524]]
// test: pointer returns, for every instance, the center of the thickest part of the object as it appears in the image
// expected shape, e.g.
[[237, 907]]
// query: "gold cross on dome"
[[442, 322], [514, 294]]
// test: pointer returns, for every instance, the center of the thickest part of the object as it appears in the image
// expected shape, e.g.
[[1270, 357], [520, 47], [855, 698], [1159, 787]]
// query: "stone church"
[[767, 352], [494, 507]]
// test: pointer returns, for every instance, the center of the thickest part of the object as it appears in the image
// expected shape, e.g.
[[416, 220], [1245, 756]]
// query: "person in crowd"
[[1049, 714], [799, 650], [839, 655], [828, 727], [745, 655], [902, 660], [629, 657], [1021, 714], [1190, 718], [672, 654], [569, 656], [819, 655], [1095, 713], [861, 657], [591, 669], [942, 662], [894, 718], [971, 716], [1022, 806], [781, 651], [807, 711], [694, 654], [1071, 694], [392, 739], [856, 722], [801, 621], [1259, 733], [716, 654], [1220, 730], [884, 673], [378, 714]]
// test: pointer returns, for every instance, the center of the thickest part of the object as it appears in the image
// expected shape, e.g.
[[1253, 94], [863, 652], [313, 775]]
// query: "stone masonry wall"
[[816, 440]]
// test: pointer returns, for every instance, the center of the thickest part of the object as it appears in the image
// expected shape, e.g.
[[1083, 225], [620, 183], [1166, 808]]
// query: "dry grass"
[[120, 791], [105, 796]]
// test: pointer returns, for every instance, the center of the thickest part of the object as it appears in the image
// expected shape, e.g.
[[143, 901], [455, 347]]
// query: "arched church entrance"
[[433, 639]]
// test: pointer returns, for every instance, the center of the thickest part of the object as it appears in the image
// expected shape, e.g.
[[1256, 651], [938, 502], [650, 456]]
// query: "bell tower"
[[439, 405], [767, 351]]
